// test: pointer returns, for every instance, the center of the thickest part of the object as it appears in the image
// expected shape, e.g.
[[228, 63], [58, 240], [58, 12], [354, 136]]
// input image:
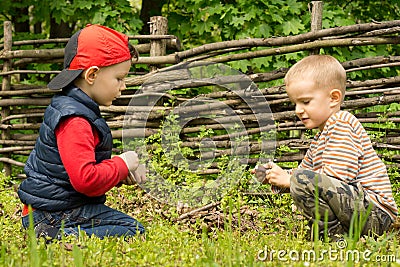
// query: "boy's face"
[[108, 83], [313, 105]]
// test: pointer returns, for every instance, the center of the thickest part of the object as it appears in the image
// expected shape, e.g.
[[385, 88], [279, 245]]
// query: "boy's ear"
[[336, 97], [90, 74]]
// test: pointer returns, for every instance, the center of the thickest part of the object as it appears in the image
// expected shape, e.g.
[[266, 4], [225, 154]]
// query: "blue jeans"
[[97, 219]]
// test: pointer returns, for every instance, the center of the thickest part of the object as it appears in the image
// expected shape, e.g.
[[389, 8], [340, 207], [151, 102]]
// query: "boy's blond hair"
[[326, 71]]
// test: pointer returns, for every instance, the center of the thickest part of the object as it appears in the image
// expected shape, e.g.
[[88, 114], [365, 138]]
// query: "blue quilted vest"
[[47, 186]]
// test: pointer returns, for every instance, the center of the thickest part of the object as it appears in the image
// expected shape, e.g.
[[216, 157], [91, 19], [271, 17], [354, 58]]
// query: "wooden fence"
[[22, 106]]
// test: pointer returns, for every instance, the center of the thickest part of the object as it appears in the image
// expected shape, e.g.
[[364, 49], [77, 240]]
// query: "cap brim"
[[64, 78]]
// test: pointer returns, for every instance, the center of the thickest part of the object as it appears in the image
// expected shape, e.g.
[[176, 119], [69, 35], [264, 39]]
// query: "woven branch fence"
[[22, 106]]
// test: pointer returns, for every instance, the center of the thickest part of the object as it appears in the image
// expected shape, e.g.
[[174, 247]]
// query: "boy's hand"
[[136, 177], [137, 172], [140, 174], [270, 173], [131, 160], [260, 172], [277, 176]]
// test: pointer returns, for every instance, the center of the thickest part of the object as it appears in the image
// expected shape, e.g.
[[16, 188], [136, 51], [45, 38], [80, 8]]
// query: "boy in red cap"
[[70, 169]]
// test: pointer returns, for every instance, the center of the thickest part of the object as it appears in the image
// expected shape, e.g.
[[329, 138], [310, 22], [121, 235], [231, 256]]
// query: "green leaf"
[[277, 18], [264, 30], [240, 65], [293, 26], [258, 62], [83, 4], [77, 254], [237, 21]]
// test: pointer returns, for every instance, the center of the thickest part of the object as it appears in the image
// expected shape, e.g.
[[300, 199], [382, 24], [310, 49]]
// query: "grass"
[[265, 233]]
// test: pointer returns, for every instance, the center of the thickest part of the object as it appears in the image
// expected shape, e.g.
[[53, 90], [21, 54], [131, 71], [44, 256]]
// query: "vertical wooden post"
[[158, 26], [316, 20], [6, 85], [316, 24]]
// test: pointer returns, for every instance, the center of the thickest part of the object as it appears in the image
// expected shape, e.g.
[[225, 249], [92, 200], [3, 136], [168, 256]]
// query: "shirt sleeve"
[[77, 140]]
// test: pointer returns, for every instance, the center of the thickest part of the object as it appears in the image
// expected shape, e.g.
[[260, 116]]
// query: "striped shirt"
[[343, 151]]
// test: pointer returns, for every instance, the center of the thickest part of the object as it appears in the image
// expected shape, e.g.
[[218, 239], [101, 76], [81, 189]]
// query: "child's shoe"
[[47, 231]]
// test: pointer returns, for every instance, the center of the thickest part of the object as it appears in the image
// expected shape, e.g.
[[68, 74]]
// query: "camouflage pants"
[[338, 200]]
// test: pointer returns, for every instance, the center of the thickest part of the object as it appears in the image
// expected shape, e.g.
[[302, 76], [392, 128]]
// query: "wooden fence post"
[[316, 20], [6, 85], [158, 26], [316, 24]]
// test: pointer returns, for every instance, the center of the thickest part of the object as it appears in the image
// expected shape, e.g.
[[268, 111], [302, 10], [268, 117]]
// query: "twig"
[[192, 212]]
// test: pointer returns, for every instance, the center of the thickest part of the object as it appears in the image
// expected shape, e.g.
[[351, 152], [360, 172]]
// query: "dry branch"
[[15, 148], [40, 41], [381, 32], [367, 83], [307, 46], [277, 41], [16, 142], [37, 53], [153, 37], [24, 102], [172, 44], [24, 126], [13, 162], [174, 58], [27, 92], [24, 137], [193, 212], [21, 116], [24, 61], [361, 62]]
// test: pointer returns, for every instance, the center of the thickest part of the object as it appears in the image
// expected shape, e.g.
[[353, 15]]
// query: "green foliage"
[[117, 14], [198, 22], [169, 159], [173, 244], [363, 11], [215, 21], [175, 170]]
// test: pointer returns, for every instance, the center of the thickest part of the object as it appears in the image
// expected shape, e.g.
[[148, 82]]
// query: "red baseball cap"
[[94, 45]]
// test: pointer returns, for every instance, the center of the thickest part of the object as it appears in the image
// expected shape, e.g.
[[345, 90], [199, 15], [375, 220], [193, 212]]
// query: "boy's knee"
[[302, 185], [301, 178], [378, 222], [138, 229]]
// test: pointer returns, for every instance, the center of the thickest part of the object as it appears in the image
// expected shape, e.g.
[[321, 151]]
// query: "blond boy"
[[341, 164]]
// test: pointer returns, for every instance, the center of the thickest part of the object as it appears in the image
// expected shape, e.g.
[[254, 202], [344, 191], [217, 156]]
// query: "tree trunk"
[[61, 30], [150, 8], [21, 26]]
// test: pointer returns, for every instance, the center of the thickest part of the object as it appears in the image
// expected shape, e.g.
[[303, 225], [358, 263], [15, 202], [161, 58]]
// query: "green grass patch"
[[264, 233]]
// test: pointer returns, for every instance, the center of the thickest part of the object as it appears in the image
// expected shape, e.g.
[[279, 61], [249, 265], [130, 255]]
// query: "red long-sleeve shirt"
[[76, 140]]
